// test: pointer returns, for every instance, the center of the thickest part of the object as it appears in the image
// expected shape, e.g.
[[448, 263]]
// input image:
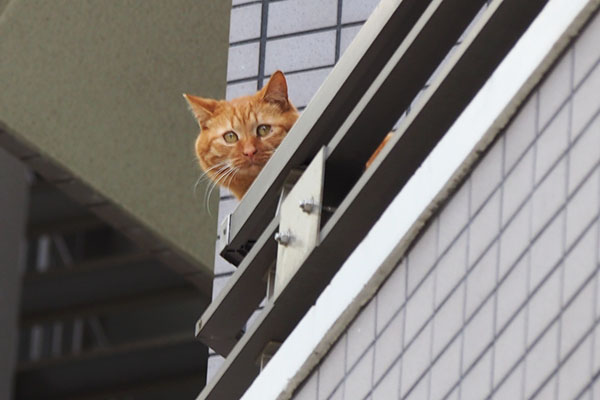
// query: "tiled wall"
[[304, 39], [499, 298]]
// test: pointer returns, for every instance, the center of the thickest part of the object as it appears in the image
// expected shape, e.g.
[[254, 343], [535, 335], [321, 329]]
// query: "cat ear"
[[275, 91], [201, 108]]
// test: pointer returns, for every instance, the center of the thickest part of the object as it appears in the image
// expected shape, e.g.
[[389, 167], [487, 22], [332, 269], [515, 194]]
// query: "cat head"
[[238, 137]]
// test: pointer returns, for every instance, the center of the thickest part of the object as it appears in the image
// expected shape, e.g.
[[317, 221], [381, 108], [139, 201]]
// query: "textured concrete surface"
[[95, 87]]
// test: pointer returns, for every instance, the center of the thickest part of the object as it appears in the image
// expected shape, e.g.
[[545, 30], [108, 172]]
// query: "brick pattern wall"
[[499, 297], [304, 39]]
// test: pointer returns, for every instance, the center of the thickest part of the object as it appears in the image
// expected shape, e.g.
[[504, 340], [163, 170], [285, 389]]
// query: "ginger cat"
[[238, 137]]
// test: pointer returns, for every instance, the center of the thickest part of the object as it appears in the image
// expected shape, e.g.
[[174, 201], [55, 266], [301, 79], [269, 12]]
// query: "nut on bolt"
[[282, 238], [307, 205]]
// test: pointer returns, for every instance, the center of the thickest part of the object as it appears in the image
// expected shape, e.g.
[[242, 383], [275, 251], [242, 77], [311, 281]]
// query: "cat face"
[[238, 137]]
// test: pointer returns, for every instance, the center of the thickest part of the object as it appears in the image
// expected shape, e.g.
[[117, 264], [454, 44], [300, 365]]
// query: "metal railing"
[[374, 83]]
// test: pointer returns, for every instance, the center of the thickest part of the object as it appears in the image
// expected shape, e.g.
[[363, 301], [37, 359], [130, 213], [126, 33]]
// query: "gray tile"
[[389, 386], [487, 175], [575, 373], [481, 280], [555, 89], [512, 387], [332, 368], [586, 101], [347, 37], [553, 141], [520, 133], [548, 197], [484, 228], [540, 361], [358, 382], [596, 352], [509, 346], [514, 239], [357, 10], [584, 154], [243, 61], [388, 347], [454, 216], [303, 86], [543, 307], [300, 52], [451, 268], [235, 90], [308, 390], [415, 360], [391, 296], [577, 319], [546, 252], [361, 334], [448, 321], [476, 384], [418, 309], [583, 207], [445, 373], [307, 15], [587, 51], [517, 186], [478, 334], [338, 394], [579, 264], [548, 390], [245, 23], [422, 256], [512, 292]]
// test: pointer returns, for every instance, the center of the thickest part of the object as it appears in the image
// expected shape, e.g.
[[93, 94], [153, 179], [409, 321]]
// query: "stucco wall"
[[499, 296]]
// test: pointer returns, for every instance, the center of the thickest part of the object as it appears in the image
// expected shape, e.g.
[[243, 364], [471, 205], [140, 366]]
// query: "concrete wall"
[[14, 191], [500, 295], [93, 91], [303, 38]]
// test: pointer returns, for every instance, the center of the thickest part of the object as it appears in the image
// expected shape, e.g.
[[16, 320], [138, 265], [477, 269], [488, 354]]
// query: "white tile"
[[575, 373], [415, 360], [388, 347], [419, 308], [540, 361], [245, 23], [448, 320], [348, 35], [476, 385], [484, 228], [586, 101], [478, 334], [553, 141], [544, 306], [357, 10], [546, 251], [332, 369], [577, 319], [308, 390], [391, 296], [422, 256], [389, 386], [300, 52], [512, 292], [445, 373], [580, 263], [584, 154], [587, 51], [358, 382], [583, 207], [520, 132], [555, 88], [361, 333], [509, 346], [243, 61], [451, 268], [303, 86], [481, 280], [292, 16], [512, 387], [454, 216], [235, 90], [487, 175], [548, 197], [517, 186], [514, 240]]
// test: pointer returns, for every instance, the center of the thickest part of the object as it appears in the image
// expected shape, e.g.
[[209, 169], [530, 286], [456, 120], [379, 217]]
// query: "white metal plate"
[[301, 226]]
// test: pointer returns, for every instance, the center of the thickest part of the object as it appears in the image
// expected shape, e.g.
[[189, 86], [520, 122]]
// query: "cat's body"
[[238, 137]]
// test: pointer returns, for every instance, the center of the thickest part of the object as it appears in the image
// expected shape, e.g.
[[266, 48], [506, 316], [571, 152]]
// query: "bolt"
[[282, 238], [307, 206]]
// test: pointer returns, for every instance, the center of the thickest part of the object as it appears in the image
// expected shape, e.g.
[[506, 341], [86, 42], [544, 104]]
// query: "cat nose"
[[250, 151]]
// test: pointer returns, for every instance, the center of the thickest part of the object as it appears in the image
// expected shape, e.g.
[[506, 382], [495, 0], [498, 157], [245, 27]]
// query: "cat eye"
[[263, 130], [230, 137]]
